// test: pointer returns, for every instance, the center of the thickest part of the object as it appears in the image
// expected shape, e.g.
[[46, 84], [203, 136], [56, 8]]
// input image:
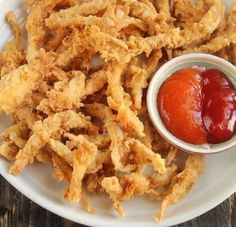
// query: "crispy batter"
[[157, 180], [8, 150], [108, 47], [62, 171], [71, 50], [120, 101], [100, 111], [96, 82], [152, 62], [124, 188], [187, 11], [118, 150], [44, 156], [171, 155], [35, 25], [100, 140], [137, 83], [42, 131], [145, 12], [22, 81], [139, 44], [114, 19], [18, 133], [83, 157], [72, 16], [208, 24], [86, 205], [129, 121], [183, 183], [65, 95], [61, 150], [144, 155], [12, 55]]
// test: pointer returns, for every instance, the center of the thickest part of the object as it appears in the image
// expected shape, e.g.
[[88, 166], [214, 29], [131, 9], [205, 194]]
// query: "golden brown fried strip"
[[99, 111], [62, 171], [96, 82], [139, 45], [114, 19], [100, 159], [120, 101], [117, 18], [83, 157], [186, 11], [118, 150], [163, 7], [18, 134], [12, 55], [208, 24], [100, 140], [137, 83], [52, 126], [86, 205], [232, 15], [71, 49], [223, 54], [61, 150], [224, 39], [30, 3], [148, 131], [115, 91], [129, 121], [157, 180], [144, 155], [65, 95], [110, 48], [212, 46], [44, 156], [124, 188], [8, 150], [35, 25], [53, 41], [27, 116], [171, 155], [152, 62], [183, 183], [145, 12], [22, 81], [234, 54], [30, 150], [72, 14]]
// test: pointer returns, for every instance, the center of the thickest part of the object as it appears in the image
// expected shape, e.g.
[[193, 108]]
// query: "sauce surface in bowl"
[[198, 106]]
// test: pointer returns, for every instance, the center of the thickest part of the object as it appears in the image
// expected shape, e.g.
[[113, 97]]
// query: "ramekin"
[[187, 60]]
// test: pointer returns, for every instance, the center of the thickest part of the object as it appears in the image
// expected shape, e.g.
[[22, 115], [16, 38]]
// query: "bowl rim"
[[152, 92]]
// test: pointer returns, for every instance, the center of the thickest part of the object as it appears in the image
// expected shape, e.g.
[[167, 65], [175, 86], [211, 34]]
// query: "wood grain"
[[18, 211]]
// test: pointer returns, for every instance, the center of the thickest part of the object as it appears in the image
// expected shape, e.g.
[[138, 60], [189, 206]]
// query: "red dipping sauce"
[[198, 106]]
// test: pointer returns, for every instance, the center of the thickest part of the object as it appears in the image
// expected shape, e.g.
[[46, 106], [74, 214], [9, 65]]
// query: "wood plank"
[[18, 211]]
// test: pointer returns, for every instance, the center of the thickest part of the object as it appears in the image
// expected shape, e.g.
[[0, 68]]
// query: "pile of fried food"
[[77, 93]]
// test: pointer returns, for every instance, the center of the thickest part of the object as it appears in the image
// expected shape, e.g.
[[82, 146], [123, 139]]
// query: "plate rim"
[[90, 220]]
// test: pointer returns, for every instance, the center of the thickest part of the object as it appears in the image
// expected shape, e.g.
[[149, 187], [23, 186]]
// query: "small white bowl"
[[188, 60]]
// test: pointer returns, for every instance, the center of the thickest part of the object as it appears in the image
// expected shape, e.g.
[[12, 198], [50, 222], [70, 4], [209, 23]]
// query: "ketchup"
[[219, 107], [198, 106]]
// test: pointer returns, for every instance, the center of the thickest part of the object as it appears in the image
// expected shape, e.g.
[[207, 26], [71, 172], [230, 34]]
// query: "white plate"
[[36, 183]]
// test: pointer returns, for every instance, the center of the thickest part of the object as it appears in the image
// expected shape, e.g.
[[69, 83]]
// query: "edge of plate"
[[87, 219]]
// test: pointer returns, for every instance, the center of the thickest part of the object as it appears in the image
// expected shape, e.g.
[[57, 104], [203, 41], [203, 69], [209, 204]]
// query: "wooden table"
[[18, 211]]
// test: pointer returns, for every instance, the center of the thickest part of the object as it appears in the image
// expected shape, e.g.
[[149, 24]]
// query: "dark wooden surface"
[[18, 211]]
